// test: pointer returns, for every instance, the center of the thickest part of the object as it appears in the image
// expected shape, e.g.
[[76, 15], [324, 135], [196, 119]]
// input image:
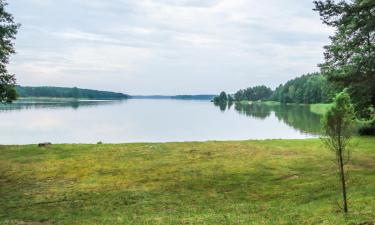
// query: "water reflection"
[[23, 104], [254, 110], [149, 120], [221, 105], [297, 116]]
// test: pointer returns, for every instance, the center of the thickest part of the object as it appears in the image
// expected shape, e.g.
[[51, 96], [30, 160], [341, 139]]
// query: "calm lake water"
[[145, 120]]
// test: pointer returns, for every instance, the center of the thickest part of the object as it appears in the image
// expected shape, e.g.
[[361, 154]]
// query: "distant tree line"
[[63, 92], [193, 97], [306, 89]]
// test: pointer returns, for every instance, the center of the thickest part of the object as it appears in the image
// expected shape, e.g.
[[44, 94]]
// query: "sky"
[[166, 46]]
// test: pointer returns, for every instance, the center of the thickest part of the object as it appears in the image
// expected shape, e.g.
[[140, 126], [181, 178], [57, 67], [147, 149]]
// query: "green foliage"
[[222, 98], [60, 92], [367, 129], [8, 31], [230, 98], [222, 101], [253, 94], [338, 124], [320, 108], [307, 89], [350, 57]]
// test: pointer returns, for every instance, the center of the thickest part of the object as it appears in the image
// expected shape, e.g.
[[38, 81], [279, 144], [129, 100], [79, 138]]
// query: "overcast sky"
[[165, 46]]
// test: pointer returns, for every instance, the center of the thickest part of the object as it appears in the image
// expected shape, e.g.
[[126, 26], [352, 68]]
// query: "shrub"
[[367, 129]]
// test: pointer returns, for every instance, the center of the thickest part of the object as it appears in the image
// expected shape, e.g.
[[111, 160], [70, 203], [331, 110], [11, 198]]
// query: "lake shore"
[[228, 182]]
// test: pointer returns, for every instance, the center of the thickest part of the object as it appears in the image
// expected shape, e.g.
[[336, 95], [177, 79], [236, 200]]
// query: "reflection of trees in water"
[[230, 104], [52, 104], [297, 116], [224, 105], [221, 105], [253, 110]]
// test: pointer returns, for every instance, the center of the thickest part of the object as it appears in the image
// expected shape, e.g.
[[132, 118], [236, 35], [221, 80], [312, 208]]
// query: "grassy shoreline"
[[320, 108], [230, 182]]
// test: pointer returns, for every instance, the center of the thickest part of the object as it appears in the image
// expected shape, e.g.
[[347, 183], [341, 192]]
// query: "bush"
[[367, 129]]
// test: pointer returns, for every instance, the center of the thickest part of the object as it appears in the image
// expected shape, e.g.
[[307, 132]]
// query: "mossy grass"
[[234, 182]]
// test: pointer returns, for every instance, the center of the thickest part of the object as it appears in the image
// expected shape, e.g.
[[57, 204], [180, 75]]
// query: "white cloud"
[[150, 46]]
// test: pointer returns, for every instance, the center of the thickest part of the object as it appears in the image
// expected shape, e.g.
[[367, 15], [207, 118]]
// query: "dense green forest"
[[63, 92], [306, 89], [253, 94]]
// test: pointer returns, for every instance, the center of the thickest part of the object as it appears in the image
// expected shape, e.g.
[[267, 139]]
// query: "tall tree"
[[350, 58], [222, 98], [338, 126], [8, 31]]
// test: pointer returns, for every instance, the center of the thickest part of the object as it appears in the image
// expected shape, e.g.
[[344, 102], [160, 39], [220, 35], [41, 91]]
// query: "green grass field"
[[240, 182], [321, 108]]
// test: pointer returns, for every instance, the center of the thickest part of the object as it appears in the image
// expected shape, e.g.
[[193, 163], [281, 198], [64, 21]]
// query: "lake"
[[150, 120]]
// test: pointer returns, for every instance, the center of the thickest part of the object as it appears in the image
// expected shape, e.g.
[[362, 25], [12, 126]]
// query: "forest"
[[306, 89], [63, 92]]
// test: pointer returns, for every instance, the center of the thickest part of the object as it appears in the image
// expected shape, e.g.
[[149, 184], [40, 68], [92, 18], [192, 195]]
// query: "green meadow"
[[234, 182], [320, 108]]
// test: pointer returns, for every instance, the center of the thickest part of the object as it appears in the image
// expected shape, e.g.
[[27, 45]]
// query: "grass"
[[239, 182], [321, 108]]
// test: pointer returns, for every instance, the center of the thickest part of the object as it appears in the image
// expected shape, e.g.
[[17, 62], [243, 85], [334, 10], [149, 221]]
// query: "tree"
[[75, 92], [308, 89], [338, 126], [222, 98], [254, 94], [230, 98], [8, 31], [350, 57]]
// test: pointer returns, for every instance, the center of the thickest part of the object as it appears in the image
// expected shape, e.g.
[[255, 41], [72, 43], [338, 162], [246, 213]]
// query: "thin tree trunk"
[[343, 182]]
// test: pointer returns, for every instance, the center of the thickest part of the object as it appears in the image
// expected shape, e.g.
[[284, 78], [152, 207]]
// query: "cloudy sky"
[[165, 46]]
